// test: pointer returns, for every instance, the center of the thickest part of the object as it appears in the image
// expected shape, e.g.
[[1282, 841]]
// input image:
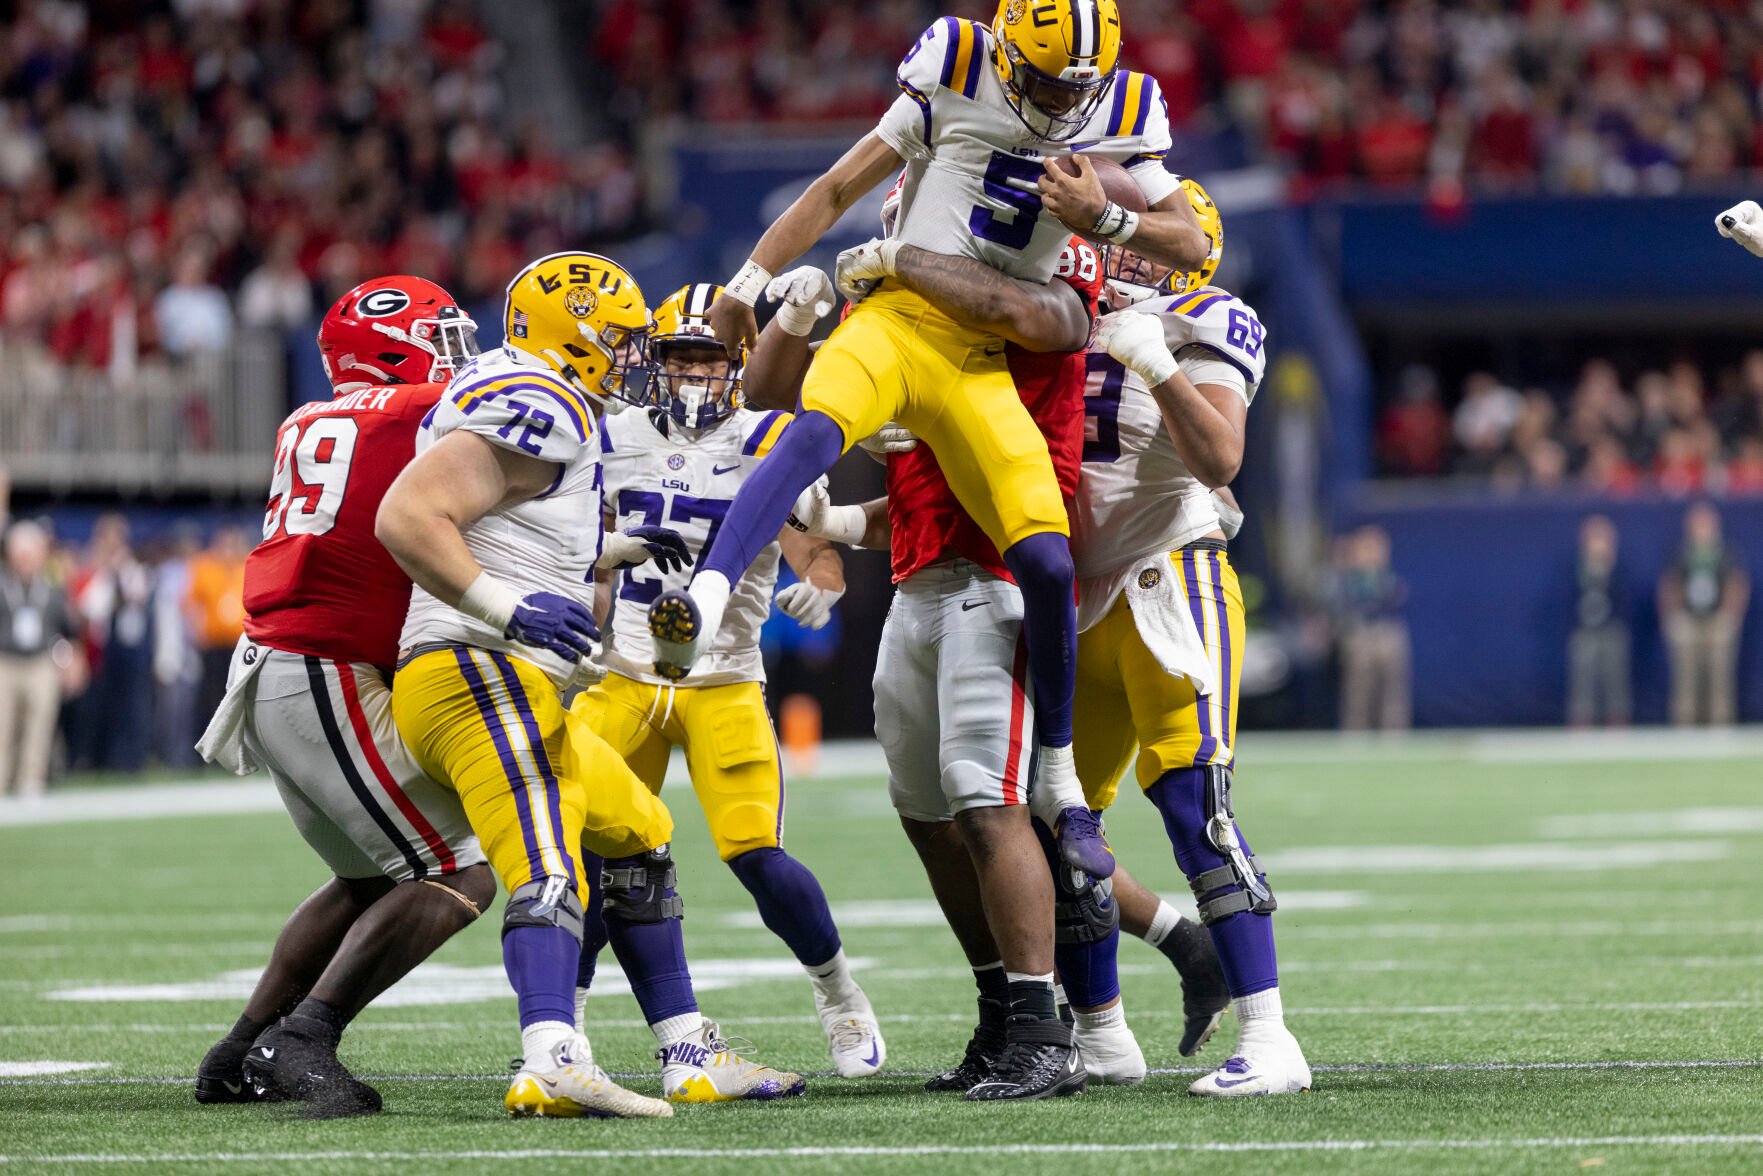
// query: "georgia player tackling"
[[308, 699], [679, 462]]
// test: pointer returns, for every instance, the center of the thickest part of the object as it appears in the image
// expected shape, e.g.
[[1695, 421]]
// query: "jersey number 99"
[[311, 476]]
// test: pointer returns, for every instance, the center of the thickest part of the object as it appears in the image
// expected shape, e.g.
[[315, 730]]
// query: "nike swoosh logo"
[[716, 469], [269, 1053], [1227, 1083], [973, 604], [233, 1087], [874, 1058]]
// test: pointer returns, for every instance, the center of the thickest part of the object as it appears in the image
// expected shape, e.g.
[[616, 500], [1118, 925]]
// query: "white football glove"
[[807, 605], [890, 438], [807, 297], [861, 268], [1136, 340], [1743, 222], [815, 514]]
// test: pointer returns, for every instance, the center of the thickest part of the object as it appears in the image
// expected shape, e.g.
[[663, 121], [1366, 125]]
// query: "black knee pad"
[[545, 902], [1241, 875], [1084, 910], [640, 889]]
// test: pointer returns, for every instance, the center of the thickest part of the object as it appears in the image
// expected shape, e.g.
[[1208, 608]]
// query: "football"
[[1117, 184]]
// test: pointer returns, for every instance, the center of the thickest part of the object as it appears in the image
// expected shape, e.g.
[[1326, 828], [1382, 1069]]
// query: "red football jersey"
[[928, 523], [320, 583]]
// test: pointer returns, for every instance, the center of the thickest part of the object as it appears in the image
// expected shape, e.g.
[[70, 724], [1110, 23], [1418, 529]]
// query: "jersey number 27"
[[311, 476]]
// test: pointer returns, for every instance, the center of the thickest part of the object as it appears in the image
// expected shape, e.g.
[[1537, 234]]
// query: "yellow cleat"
[[570, 1088], [704, 1068]]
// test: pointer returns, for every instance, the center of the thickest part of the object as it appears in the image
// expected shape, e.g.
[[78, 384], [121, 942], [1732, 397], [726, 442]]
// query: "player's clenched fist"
[[1077, 200], [862, 268], [1743, 223], [1136, 340], [805, 296], [557, 623], [808, 605]]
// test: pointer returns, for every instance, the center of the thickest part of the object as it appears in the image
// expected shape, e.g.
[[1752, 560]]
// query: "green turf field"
[[1501, 953]]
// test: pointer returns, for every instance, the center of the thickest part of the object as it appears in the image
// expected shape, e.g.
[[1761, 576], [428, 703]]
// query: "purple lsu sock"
[[653, 956], [1244, 940], [541, 964], [791, 903], [1089, 971], [807, 448], [1043, 570], [593, 921]]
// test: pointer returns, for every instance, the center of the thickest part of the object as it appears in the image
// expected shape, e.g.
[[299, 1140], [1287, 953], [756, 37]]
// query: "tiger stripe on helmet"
[[1084, 34]]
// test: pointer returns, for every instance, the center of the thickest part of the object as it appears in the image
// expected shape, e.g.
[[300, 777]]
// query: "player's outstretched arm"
[[1039, 317], [1205, 421], [820, 578], [772, 378], [795, 232]]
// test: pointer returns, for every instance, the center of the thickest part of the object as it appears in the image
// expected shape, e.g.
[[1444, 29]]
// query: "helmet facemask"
[[450, 338], [1133, 278], [1053, 109], [696, 382], [618, 354]]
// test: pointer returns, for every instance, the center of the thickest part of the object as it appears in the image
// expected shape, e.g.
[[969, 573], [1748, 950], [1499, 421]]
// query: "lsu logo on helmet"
[[695, 379], [582, 315], [1056, 60], [1134, 278]]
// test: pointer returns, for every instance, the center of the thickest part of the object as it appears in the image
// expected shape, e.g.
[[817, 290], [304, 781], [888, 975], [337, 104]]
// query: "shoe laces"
[[848, 1033], [1080, 821], [739, 1047], [1237, 1065]]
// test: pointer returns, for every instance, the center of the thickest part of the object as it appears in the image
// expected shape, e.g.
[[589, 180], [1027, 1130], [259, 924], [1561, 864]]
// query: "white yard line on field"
[[932, 1149]]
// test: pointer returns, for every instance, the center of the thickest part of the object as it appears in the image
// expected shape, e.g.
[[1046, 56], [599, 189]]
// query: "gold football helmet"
[[1056, 59], [1134, 278], [682, 334], [582, 315]]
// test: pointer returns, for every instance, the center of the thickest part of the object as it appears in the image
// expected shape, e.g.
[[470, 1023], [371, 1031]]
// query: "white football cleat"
[[1275, 1065], [854, 1037], [568, 1085], [704, 1068], [1110, 1053]]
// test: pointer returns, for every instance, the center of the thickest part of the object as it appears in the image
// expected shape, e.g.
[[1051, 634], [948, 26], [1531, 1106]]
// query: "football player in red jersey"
[[954, 636], [309, 699]]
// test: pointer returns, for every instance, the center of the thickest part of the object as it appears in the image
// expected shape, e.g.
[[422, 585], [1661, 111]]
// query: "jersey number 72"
[[311, 476]]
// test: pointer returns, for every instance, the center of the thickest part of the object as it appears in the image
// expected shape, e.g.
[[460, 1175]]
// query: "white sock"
[[673, 1029], [1163, 922], [833, 984], [581, 1011], [1109, 1018], [710, 592], [1017, 977], [1260, 1013], [1056, 786], [541, 1037]]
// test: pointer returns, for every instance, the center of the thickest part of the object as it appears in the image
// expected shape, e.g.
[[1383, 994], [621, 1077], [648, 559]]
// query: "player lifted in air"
[[981, 108], [309, 699], [678, 464], [499, 522], [1161, 615]]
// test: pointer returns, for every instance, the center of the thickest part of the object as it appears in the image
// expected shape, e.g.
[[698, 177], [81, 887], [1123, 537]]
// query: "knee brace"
[[1239, 870], [640, 889], [545, 902], [1084, 910]]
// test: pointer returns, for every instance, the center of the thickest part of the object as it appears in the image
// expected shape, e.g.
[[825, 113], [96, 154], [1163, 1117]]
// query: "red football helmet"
[[394, 330]]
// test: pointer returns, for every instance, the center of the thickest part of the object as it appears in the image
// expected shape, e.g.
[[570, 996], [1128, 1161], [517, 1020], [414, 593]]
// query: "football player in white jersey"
[[498, 521], [1172, 373], [981, 110], [677, 464]]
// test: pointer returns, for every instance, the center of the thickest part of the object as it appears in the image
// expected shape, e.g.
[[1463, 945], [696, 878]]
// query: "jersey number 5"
[[1012, 181], [311, 476]]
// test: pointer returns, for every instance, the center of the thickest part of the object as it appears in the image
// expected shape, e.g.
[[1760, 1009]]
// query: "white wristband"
[[1129, 224], [843, 524], [796, 320], [749, 284], [491, 601], [1157, 369]]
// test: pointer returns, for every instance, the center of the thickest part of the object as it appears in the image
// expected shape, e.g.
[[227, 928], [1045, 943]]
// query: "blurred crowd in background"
[[1677, 430], [1566, 95]]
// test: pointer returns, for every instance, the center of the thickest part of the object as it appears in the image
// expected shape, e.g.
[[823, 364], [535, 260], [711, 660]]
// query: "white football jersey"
[[661, 474], [972, 165], [1136, 497], [547, 544]]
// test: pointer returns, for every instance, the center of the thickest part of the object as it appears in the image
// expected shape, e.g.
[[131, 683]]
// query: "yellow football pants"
[[899, 358], [536, 782], [731, 750], [1125, 700]]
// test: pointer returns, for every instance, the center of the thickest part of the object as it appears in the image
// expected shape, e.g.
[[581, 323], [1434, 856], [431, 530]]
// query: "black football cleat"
[[221, 1076], [296, 1058], [1040, 1060], [1204, 995], [984, 1049]]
